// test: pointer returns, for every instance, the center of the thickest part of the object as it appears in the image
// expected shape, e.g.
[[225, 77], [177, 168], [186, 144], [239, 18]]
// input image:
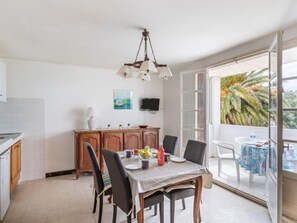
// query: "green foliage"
[[290, 101], [244, 99]]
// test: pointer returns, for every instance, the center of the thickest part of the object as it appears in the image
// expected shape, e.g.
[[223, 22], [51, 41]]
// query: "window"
[[244, 98], [240, 92]]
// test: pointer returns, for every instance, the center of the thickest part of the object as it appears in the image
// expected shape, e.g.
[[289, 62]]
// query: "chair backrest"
[[195, 151], [224, 147], [119, 180], [241, 140], [169, 144], [98, 180]]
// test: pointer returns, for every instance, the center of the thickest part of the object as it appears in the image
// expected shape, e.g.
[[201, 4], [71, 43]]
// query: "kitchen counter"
[[8, 139]]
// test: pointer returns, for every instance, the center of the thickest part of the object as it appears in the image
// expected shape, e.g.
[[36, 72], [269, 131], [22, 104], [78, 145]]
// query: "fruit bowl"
[[145, 153]]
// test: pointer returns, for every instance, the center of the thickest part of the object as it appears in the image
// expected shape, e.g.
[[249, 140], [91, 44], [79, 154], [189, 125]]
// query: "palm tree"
[[244, 99]]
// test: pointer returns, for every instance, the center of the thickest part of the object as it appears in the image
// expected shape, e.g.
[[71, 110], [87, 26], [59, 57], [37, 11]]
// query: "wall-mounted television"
[[151, 104]]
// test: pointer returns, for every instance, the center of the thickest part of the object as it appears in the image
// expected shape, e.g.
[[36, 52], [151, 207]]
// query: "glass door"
[[193, 114], [274, 171]]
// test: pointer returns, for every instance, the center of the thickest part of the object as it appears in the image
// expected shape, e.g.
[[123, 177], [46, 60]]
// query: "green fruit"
[[146, 148], [141, 152], [147, 154]]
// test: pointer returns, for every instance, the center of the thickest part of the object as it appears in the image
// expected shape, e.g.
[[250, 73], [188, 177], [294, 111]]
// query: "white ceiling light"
[[145, 67]]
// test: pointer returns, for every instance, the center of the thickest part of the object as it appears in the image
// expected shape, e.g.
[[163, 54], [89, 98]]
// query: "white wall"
[[26, 116], [67, 92], [172, 106], [229, 132]]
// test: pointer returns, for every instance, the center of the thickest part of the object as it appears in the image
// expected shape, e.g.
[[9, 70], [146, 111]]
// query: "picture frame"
[[122, 99]]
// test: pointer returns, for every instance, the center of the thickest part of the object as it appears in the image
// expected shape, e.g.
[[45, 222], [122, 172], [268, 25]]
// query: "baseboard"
[[241, 193], [59, 173]]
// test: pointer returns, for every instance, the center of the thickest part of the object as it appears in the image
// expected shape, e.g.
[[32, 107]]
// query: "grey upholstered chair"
[[122, 197], [169, 144], [194, 152], [102, 184]]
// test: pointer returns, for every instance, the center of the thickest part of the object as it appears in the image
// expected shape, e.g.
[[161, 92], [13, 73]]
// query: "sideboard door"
[[132, 140], [151, 138], [83, 157], [113, 141]]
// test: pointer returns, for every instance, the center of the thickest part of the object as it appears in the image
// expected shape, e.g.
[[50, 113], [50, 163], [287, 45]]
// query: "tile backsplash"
[[27, 116]]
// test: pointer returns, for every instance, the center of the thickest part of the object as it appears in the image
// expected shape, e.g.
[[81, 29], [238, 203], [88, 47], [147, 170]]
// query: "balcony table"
[[157, 177], [253, 158]]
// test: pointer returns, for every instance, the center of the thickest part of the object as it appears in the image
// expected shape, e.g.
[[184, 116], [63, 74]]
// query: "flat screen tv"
[[154, 104], [145, 103], [151, 104]]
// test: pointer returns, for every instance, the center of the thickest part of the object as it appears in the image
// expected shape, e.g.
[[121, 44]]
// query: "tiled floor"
[[64, 200], [228, 176]]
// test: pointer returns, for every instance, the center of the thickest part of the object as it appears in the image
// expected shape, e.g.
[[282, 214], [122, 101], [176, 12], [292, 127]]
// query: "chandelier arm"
[[152, 49], [138, 49]]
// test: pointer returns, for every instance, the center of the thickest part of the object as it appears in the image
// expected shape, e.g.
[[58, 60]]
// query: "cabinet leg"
[[109, 199]]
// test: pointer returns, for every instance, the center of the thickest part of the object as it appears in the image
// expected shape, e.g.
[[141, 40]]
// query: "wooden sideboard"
[[113, 139]]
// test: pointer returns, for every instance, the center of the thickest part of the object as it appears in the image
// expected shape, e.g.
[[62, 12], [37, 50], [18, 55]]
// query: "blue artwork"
[[122, 99]]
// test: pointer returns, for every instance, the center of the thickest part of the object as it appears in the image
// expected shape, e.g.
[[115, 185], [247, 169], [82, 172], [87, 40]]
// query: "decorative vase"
[[92, 123]]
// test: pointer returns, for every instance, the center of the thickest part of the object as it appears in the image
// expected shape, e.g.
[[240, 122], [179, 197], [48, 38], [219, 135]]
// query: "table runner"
[[157, 177]]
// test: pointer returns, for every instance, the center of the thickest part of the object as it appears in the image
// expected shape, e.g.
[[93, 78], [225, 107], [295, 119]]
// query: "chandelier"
[[144, 68]]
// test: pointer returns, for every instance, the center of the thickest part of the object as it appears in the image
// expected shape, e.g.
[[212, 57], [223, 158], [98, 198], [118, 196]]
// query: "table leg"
[[197, 199], [251, 176], [140, 217]]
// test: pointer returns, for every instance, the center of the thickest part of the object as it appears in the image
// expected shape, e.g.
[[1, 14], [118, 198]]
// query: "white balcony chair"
[[226, 151]]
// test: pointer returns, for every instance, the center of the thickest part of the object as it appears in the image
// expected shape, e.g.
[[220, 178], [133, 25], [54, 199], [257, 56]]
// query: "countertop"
[[115, 129], [8, 139]]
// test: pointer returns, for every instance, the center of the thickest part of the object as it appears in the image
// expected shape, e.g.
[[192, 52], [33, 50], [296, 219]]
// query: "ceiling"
[[102, 33]]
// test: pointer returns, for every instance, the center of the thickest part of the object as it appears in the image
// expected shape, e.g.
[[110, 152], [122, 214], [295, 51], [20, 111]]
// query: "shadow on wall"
[[79, 118], [60, 152]]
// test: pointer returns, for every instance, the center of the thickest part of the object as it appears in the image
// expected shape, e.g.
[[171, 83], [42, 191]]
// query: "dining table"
[[145, 182], [253, 157]]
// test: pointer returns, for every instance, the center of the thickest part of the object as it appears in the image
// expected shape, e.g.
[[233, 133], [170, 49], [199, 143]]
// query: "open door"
[[274, 171]]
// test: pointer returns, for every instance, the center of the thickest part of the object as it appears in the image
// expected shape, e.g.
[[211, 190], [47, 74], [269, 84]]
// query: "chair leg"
[[114, 217], [155, 211], [172, 210], [129, 218], [100, 209], [184, 204], [219, 167], [134, 213], [95, 202], [161, 212], [237, 170], [109, 199]]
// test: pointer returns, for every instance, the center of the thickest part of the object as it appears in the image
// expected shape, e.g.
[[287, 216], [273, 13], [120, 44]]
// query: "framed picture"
[[122, 99]]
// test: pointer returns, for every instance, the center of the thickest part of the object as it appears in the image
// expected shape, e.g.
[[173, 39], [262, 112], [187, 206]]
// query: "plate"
[[154, 151], [263, 141], [133, 167], [178, 159], [250, 143]]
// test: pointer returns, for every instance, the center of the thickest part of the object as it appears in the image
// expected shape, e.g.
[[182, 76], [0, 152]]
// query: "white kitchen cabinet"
[[5, 183], [2, 82]]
